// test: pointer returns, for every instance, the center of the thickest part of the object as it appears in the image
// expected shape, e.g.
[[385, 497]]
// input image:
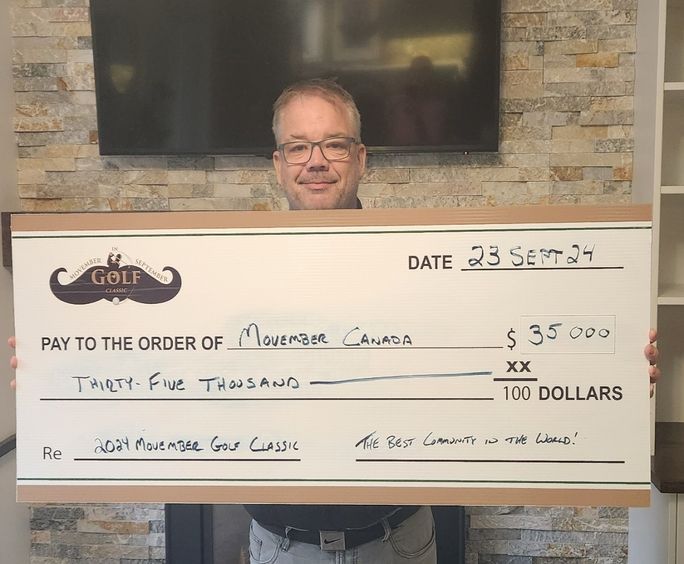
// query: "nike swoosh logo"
[[331, 541]]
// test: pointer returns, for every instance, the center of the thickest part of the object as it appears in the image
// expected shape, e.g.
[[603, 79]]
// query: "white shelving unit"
[[659, 178], [668, 199]]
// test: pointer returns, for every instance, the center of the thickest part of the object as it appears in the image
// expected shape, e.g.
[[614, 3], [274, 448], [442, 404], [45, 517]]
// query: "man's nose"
[[317, 160]]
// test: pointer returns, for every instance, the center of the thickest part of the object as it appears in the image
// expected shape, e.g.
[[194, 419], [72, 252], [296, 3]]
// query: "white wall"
[[14, 518], [652, 531]]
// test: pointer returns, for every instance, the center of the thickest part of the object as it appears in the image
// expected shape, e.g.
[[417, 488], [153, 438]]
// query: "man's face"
[[318, 184]]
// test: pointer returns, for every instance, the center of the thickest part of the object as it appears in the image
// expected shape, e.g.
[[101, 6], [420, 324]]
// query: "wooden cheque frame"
[[484, 356]]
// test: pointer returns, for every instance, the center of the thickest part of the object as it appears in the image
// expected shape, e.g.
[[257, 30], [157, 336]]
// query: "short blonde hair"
[[324, 88]]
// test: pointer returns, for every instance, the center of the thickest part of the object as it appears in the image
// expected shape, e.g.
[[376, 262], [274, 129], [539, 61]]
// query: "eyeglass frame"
[[353, 141]]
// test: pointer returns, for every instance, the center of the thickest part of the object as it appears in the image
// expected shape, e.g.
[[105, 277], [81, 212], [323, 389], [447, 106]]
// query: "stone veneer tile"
[[232, 190], [516, 193], [55, 551], [614, 145], [504, 559], [587, 538], [430, 189], [145, 191], [516, 61], [115, 551], [42, 537], [565, 173], [39, 84], [149, 176], [68, 14], [613, 512], [586, 18], [580, 132], [377, 190], [524, 146], [528, 19], [537, 174], [191, 190], [590, 159], [52, 137], [387, 175], [434, 159], [605, 200], [34, 109], [461, 174], [602, 59], [24, 56], [554, 5], [622, 45], [80, 538], [607, 31], [31, 177], [187, 176], [115, 527], [66, 205], [38, 524], [594, 88], [245, 203], [54, 164], [522, 83], [559, 61], [569, 561], [572, 145], [91, 163], [510, 522], [135, 163], [56, 512], [80, 56], [139, 204], [225, 177], [524, 160], [123, 512], [190, 163], [530, 48], [608, 525], [594, 173], [79, 76], [492, 534], [242, 162]]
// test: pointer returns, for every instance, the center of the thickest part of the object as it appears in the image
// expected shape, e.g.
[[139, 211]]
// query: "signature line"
[[397, 377]]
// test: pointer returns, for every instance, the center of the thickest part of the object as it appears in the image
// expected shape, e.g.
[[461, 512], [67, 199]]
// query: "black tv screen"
[[200, 76]]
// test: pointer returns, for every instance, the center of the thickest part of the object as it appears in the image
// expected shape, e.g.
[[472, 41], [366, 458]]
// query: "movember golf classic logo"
[[120, 278]]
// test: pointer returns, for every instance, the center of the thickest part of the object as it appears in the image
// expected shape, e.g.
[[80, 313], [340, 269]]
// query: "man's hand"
[[651, 354], [12, 342]]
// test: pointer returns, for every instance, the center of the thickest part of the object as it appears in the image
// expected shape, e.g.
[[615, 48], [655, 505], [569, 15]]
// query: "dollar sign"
[[512, 339]]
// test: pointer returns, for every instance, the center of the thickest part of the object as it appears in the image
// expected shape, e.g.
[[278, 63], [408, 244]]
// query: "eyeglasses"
[[333, 149]]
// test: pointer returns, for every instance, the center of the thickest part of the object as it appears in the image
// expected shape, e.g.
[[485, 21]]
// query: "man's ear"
[[276, 166], [361, 156]]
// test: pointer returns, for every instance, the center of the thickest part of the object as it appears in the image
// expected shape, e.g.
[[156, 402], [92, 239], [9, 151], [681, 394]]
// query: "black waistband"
[[352, 537]]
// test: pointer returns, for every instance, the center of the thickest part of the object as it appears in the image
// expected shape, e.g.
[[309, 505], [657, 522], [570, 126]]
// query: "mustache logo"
[[116, 282]]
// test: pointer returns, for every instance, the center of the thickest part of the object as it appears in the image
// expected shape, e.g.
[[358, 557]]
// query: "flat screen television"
[[183, 77]]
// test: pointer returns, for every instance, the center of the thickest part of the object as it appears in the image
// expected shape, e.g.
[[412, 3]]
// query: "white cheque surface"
[[465, 357]]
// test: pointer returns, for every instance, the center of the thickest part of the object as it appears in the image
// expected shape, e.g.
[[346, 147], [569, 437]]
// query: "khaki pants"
[[413, 541]]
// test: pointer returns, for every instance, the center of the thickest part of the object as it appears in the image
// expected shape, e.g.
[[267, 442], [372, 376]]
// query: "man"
[[319, 162]]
